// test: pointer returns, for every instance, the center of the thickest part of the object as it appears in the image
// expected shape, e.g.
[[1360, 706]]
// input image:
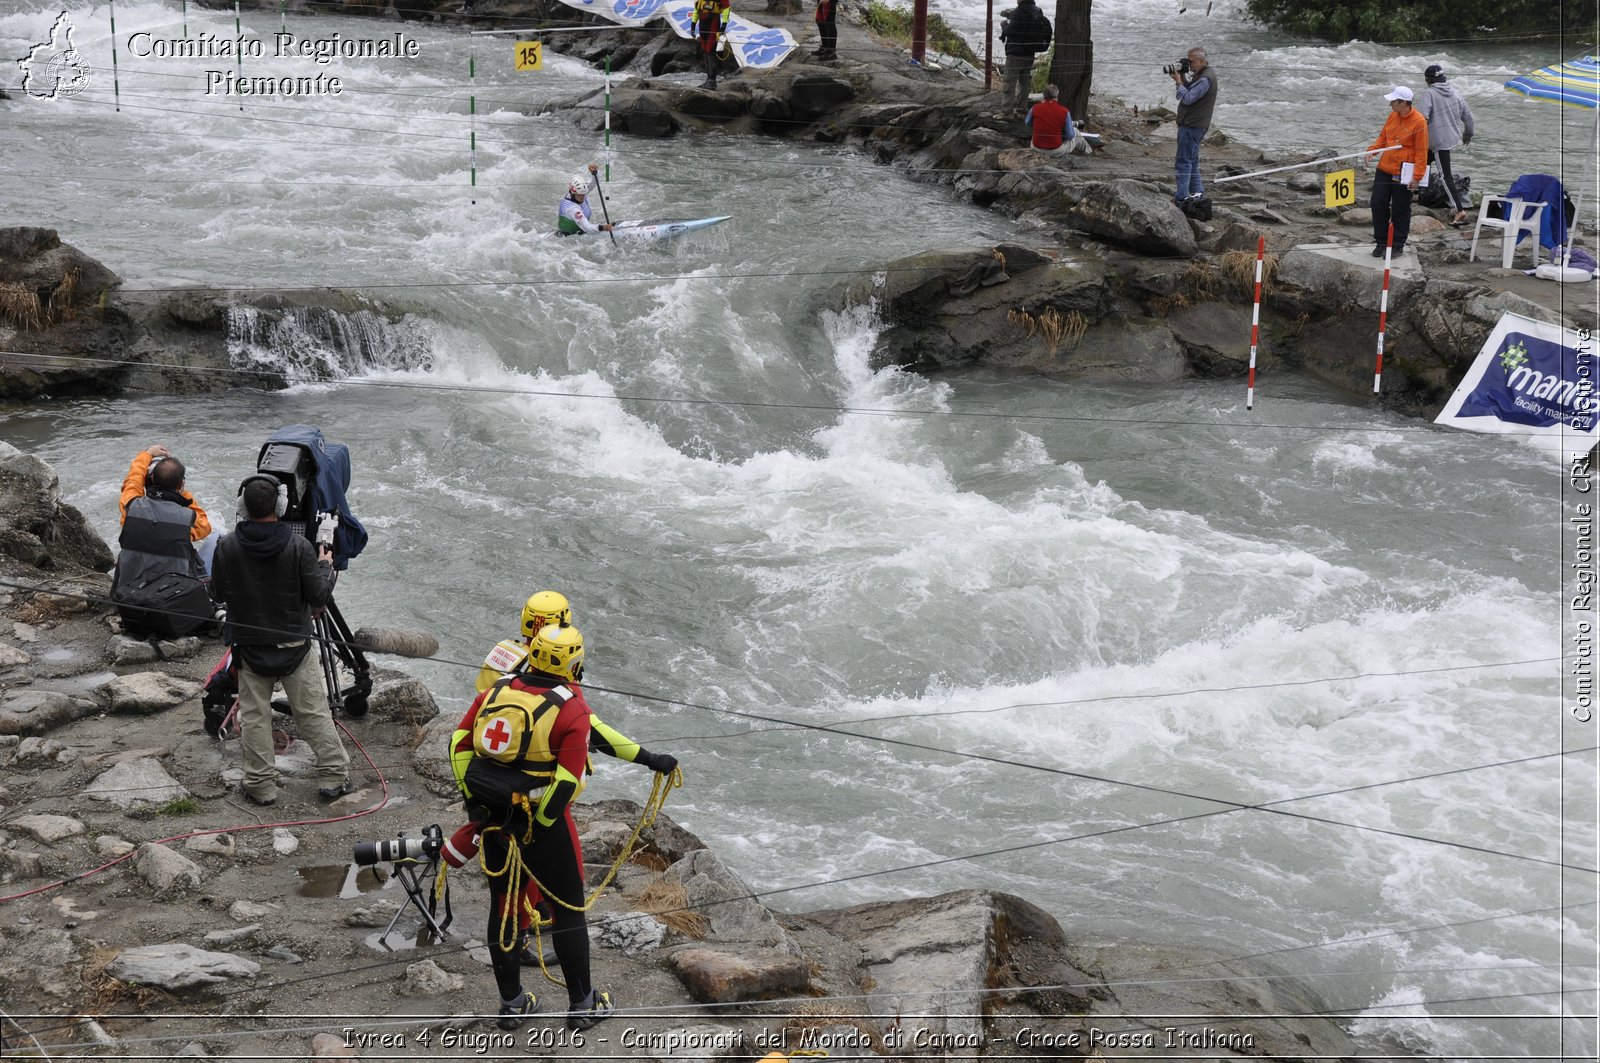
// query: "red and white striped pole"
[[1255, 326], [1383, 310]]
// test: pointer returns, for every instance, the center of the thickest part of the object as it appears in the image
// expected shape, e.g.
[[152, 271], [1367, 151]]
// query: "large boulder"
[[179, 967], [717, 977], [35, 525], [729, 905], [939, 958], [136, 784], [34, 712], [147, 693], [1129, 215]]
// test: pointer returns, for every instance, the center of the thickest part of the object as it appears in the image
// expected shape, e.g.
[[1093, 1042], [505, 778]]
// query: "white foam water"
[[1031, 611]]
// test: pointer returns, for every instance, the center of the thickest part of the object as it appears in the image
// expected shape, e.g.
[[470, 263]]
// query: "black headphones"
[[279, 507]]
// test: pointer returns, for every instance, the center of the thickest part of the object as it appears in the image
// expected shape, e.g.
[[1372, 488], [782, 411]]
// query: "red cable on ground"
[[382, 782], [1255, 326], [1383, 310]]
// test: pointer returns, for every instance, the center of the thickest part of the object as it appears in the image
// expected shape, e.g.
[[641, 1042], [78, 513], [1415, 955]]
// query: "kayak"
[[662, 230]]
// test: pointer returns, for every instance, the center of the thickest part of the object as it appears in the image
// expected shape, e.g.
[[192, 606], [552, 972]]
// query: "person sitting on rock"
[[155, 474], [1053, 131]]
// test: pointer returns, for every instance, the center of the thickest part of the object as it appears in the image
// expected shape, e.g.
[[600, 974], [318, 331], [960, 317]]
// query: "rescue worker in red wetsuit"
[[509, 656], [711, 22], [530, 734]]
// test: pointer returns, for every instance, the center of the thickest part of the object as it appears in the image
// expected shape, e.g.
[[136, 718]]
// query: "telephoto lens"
[[395, 850]]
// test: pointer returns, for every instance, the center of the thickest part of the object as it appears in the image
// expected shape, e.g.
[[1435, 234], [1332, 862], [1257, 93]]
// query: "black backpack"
[[167, 605], [1433, 194], [1197, 207]]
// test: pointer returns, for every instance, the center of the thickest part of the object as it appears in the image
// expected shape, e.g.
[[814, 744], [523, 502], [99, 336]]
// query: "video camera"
[[401, 849], [1182, 66]]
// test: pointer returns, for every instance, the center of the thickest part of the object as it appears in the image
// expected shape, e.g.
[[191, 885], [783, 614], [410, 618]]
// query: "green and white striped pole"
[[116, 87], [185, 7], [608, 116], [472, 112]]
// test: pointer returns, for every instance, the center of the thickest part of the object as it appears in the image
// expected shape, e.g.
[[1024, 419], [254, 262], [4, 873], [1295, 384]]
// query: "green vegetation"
[[894, 23], [178, 806], [1418, 20]]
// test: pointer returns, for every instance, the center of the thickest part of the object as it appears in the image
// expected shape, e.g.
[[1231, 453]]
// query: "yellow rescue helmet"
[[557, 650], [546, 607]]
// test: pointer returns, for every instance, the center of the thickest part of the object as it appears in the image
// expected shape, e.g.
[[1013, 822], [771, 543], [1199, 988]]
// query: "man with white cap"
[[1400, 170]]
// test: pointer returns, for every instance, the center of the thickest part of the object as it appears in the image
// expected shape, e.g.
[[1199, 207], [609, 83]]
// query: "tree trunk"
[[1072, 67]]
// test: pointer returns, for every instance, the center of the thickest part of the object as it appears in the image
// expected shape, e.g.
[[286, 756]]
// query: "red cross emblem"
[[496, 736]]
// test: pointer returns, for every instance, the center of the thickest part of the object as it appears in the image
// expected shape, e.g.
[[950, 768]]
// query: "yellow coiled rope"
[[517, 873]]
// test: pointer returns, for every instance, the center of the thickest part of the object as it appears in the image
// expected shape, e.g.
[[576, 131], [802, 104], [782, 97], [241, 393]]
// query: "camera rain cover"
[[329, 480]]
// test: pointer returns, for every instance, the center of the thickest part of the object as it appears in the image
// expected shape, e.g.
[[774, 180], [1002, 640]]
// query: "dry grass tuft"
[[19, 305], [1055, 327], [668, 901], [106, 994], [63, 297], [1239, 271], [650, 860]]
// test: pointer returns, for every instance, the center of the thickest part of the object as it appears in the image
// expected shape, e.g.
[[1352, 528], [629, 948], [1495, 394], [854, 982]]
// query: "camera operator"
[[155, 476], [1195, 83], [1025, 32], [270, 579]]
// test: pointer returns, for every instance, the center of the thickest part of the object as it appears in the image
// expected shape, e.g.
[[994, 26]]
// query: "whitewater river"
[[1078, 609]]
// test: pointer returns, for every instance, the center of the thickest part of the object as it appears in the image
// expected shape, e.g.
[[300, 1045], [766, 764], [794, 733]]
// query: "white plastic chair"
[[1521, 217]]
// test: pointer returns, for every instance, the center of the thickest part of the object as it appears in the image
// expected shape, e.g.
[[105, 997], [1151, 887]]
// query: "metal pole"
[[1298, 165], [1383, 311], [116, 87], [919, 31], [472, 136]]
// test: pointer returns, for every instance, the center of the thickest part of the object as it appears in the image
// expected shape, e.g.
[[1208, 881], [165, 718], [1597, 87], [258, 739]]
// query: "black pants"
[[1449, 179], [1391, 202], [553, 856], [830, 36], [711, 58]]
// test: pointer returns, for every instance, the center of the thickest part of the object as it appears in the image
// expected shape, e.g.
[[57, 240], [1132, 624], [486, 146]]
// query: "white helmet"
[[579, 185]]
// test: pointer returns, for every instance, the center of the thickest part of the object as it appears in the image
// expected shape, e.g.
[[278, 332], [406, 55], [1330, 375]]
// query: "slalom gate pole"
[[283, 15], [238, 35], [1255, 326], [1383, 310], [608, 116], [116, 87], [185, 9], [472, 134], [605, 212]]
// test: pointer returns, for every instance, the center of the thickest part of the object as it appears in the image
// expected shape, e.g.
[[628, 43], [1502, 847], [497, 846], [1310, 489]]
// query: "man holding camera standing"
[[270, 578], [1025, 32], [1195, 83]]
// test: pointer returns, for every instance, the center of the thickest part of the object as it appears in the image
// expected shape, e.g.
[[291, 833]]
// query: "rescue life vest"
[[513, 726]]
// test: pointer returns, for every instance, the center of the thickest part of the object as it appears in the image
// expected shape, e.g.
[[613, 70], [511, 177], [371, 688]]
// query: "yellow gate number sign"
[[530, 55], [1340, 188]]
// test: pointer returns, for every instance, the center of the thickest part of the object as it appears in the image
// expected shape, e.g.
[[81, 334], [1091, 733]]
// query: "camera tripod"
[[414, 876], [336, 646]]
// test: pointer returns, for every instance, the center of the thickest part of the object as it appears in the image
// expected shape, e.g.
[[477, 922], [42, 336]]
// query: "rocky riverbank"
[[162, 914]]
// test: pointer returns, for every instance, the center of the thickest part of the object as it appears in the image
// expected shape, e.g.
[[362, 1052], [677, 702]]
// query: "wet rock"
[[631, 932], [176, 968], [36, 527], [332, 1046], [99, 760], [409, 700], [283, 841], [136, 784], [212, 844], [43, 751], [12, 657], [428, 979], [716, 977], [48, 829], [278, 952], [126, 650], [1303, 181], [166, 870], [353, 802], [376, 914], [813, 95], [146, 693], [35, 712], [1125, 213], [223, 938], [19, 863], [246, 911], [726, 901], [113, 846], [430, 767]]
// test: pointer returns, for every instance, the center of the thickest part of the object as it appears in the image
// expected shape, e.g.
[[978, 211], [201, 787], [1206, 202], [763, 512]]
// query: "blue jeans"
[[1188, 168]]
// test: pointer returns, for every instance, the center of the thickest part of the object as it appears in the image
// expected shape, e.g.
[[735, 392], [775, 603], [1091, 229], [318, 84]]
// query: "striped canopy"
[[1575, 83]]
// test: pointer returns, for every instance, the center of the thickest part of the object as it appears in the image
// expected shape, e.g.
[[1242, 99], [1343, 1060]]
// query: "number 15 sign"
[[530, 55]]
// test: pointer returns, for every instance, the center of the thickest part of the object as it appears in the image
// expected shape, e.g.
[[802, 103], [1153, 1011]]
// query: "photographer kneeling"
[[270, 580]]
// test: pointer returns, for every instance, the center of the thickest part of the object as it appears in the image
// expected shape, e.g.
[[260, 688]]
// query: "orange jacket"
[[1411, 133], [133, 486]]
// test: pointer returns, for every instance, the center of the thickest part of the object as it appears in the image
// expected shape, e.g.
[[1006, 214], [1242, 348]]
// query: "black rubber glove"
[[662, 762]]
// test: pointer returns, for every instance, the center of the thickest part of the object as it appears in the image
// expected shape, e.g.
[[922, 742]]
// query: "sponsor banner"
[[1533, 380], [754, 47]]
